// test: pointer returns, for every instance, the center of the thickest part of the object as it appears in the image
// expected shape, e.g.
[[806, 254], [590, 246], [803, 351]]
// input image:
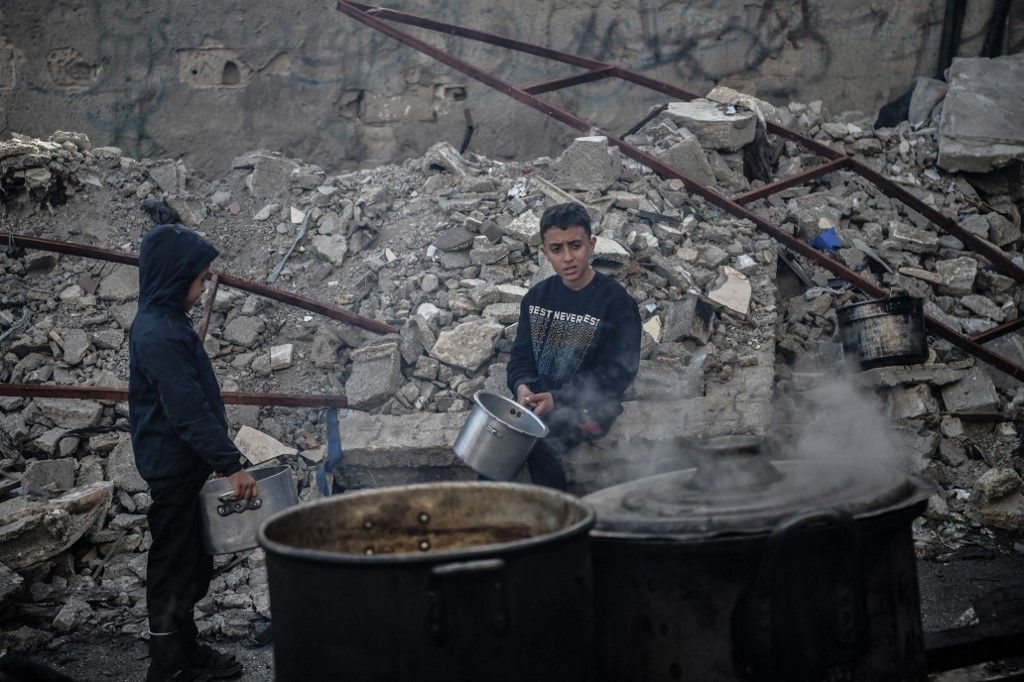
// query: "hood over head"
[[170, 258]]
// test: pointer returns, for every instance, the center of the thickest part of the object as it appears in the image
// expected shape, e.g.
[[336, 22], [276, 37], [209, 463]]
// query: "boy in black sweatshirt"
[[577, 347], [180, 437]]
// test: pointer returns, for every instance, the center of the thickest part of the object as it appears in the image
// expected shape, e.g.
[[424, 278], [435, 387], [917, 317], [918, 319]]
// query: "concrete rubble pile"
[[445, 247]]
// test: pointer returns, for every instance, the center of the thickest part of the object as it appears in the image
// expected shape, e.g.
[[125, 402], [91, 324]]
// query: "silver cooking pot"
[[497, 436], [230, 524]]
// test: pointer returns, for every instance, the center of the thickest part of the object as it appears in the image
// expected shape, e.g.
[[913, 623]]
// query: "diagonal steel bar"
[[211, 294], [374, 19], [121, 395], [792, 180], [998, 258], [224, 278], [569, 81], [1002, 330]]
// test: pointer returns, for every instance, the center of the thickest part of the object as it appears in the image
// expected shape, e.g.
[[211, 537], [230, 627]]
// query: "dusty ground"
[[947, 590]]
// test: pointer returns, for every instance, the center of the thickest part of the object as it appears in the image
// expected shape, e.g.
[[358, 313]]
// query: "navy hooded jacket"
[[179, 428]]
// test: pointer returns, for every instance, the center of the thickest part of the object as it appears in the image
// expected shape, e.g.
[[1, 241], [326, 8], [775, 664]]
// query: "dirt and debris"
[[445, 246]]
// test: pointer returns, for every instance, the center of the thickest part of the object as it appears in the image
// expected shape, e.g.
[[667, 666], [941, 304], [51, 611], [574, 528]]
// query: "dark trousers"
[[545, 460], [178, 571]]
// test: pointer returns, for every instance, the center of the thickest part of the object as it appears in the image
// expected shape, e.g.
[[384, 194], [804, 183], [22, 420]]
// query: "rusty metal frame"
[[217, 278], [377, 18]]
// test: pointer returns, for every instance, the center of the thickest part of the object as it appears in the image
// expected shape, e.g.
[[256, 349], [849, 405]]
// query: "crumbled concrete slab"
[[376, 375], [982, 124], [716, 125], [590, 163], [975, 392], [121, 469], [468, 345], [258, 447], [49, 476]]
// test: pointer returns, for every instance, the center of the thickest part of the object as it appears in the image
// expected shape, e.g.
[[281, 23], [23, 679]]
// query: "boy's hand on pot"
[[243, 485], [540, 403], [523, 393]]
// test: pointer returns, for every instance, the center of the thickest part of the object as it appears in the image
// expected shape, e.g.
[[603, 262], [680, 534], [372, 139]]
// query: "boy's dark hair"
[[564, 216]]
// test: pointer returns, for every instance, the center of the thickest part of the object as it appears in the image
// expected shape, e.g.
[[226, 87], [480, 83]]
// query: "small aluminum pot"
[[497, 436], [886, 332], [229, 524]]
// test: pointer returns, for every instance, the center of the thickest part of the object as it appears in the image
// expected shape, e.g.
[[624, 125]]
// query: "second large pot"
[[748, 569], [441, 581]]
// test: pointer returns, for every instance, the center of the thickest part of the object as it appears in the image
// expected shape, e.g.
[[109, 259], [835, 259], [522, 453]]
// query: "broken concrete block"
[[911, 402], [974, 393], [957, 274], [716, 125], [469, 345], [75, 344], [983, 306], [609, 254], [332, 247], [121, 469], [421, 439], [1001, 230], [258, 447], [982, 124], [376, 375], [928, 92], [505, 313], [998, 499], [10, 586], [75, 612], [446, 156], [734, 293], [122, 284], [34, 532], [525, 228], [685, 154], [486, 253], [170, 176], [281, 356], [454, 239], [1011, 347], [191, 210], [48, 476], [244, 330], [689, 318], [913, 239], [69, 413], [589, 163], [270, 177]]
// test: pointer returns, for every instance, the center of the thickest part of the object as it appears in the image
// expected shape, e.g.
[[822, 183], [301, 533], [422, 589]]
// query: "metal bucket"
[[497, 436], [886, 332], [230, 525]]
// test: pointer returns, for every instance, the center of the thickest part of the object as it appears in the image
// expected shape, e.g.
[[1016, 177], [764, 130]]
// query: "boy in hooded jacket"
[[180, 437]]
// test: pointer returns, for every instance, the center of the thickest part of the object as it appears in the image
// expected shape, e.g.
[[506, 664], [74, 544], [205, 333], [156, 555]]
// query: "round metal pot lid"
[[743, 493]]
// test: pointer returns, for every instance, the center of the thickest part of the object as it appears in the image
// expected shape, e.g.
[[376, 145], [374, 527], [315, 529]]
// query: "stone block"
[[716, 125], [685, 154], [244, 330], [69, 413], [469, 345], [957, 274], [1011, 347], [34, 532], [974, 393], [258, 447], [121, 284], [688, 318], [121, 469], [928, 92], [525, 228], [982, 125], [610, 253], [911, 402], [376, 375], [505, 313], [998, 499], [589, 163], [420, 439], [48, 476], [10, 587], [281, 356], [270, 177], [332, 247]]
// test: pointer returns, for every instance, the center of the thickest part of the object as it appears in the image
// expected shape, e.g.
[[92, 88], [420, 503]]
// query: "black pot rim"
[[279, 549]]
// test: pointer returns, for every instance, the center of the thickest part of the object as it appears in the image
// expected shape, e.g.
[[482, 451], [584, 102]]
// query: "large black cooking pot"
[[442, 581], [744, 568]]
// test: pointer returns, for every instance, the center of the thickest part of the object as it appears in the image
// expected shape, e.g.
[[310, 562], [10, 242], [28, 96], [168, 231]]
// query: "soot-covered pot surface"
[[746, 568], [441, 581]]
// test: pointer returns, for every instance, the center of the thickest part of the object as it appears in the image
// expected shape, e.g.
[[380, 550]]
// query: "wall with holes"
[[206, 81]]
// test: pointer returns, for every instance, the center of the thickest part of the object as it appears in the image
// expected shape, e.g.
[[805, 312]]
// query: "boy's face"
[[569, 252], [195, 290]]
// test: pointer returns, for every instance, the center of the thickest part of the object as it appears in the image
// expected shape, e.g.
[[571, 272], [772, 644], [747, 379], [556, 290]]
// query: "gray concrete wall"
[[205, 81]]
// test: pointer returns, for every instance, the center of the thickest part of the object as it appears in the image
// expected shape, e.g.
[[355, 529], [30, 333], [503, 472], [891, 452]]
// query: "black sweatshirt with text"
[[582, 346]]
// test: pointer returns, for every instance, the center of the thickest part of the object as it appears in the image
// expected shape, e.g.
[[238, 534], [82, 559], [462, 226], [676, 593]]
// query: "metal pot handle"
[[443, 575], [229, 504], [848, 588]]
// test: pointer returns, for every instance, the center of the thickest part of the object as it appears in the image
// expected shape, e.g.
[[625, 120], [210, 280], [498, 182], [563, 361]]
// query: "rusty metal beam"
[[792, 180], [121, 395], [569, 81], [373, 17], [1001, 330], [309, 304], [211, 293]]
